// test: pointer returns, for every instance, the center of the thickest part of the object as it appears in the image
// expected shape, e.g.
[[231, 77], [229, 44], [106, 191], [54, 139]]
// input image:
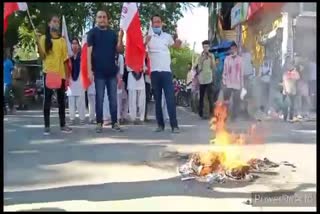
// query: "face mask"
[[157, 30], [55, 28]]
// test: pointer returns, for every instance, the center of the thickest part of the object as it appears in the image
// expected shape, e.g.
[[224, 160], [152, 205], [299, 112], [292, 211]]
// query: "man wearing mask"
[[103, 46], [206, 67], [158, 43], [232, 79]]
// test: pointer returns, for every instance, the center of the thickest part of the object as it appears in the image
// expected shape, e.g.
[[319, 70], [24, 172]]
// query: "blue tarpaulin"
[[226, 44]]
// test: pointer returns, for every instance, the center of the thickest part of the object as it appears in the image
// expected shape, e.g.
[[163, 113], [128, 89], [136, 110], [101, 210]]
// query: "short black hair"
[[234, 44], [104, 10], [155, 15], [205, 42], [75, 39]]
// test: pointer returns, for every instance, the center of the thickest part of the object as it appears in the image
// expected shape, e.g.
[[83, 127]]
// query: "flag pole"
[[34, 28], [193, 50]]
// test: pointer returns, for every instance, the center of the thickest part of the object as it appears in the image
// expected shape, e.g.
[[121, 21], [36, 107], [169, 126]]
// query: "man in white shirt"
[[248, 73], [265, 76], [158, 43]]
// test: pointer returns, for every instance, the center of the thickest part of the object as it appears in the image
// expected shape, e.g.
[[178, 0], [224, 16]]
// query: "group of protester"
[[116, 91], [235, 75], [210, 76]]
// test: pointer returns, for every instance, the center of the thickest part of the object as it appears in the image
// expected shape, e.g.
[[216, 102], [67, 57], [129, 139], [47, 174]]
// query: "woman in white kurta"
[[75, 90], [92, 102], [137, 95]]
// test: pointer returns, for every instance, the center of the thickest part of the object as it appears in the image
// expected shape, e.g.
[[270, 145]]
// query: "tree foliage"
[[80, 16], [180, 59], [26, 47]]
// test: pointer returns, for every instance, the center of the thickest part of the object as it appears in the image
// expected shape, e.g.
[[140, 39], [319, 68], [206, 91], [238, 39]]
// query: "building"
[[220, 22]]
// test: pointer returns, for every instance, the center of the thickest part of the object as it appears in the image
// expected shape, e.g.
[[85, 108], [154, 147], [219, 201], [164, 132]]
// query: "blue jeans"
[[111, 84], [7, 98], [164, 81]]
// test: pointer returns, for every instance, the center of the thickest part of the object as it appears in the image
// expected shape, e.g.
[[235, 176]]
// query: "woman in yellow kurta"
[[53, 51]]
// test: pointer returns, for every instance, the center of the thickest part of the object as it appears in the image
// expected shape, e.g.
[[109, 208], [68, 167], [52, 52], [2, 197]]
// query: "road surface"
[[133, 170]]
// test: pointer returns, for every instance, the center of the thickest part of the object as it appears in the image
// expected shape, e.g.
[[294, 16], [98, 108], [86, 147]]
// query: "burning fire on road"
[[226, 164]]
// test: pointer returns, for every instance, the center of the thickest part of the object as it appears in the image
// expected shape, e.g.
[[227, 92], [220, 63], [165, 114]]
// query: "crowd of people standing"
[[118, 94], [290, 97]]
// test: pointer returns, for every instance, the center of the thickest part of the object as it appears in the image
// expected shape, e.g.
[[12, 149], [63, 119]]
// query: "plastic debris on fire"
[[208, 167]]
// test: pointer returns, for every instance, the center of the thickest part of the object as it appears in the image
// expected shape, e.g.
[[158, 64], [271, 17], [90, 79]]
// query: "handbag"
[[53, 80]]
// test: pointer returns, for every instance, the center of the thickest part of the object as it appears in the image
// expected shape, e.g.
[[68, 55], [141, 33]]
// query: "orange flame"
[[225, 139]]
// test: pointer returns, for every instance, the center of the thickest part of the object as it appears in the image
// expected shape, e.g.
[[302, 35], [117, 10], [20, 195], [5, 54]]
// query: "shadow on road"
[[129, 190], [48, 209]]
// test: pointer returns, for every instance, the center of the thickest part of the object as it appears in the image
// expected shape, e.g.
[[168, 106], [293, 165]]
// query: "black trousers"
[[206, 88], [189, 97], [227, 92], [47, 103]]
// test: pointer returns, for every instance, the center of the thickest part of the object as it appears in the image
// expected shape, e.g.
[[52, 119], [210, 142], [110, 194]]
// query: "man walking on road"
[[206, 67], [158, 44], [233, 79], [103, 46]]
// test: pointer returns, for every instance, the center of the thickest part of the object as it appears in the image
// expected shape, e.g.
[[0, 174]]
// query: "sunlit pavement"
[[85, 171]]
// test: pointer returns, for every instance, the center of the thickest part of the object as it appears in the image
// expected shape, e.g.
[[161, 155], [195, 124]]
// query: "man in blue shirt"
[[103, 46], [7, 80]]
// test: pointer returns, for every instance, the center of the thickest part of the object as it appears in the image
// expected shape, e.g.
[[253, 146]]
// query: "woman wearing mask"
[[53, 51], [75, 91]]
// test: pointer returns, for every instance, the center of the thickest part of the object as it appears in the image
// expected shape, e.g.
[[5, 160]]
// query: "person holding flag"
[[135, 59], [103, 46], [87, 84], [137, 95], [52, 49], [158, 43]]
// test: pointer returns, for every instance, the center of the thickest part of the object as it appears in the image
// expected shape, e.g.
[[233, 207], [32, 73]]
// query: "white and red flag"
[[86, 82], [64, 34], [130, 23], [10, 8]]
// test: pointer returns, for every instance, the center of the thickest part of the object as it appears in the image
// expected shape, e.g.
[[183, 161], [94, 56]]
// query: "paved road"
[[85, 171]]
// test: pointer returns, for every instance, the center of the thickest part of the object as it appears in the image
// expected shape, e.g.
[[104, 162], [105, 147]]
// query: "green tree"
[[80, 16], [180, 59]]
